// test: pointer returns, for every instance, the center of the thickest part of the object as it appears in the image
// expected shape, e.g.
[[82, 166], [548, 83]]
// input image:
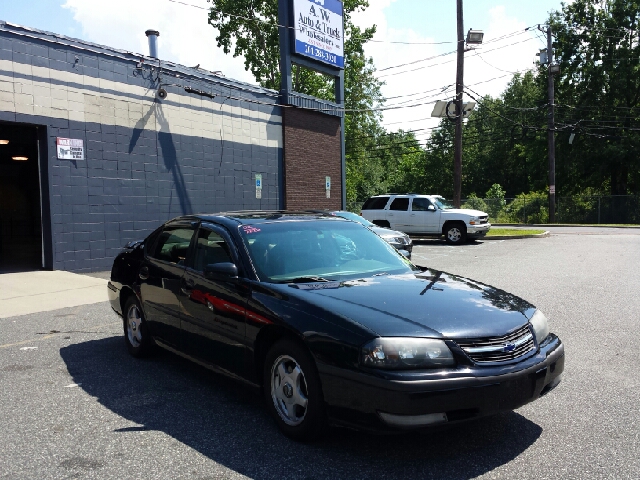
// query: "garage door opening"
[[20, 206]]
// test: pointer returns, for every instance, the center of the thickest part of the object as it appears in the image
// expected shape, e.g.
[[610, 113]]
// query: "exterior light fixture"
[[474, 37], [543, 56], [554, 69], [4, 142], [20, 158]]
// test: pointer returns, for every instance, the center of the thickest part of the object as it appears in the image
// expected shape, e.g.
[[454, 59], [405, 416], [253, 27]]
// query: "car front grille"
[[483, 220], [499, 349]]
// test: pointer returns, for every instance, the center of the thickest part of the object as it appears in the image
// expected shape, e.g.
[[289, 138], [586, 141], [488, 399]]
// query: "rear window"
[[400, 204], [375, 203]]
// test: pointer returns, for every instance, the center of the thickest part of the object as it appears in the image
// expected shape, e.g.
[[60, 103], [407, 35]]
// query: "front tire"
[[293, 392], [136, 334], [455, 233]]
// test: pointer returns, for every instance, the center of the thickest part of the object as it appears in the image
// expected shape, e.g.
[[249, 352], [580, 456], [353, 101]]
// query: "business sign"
[[319, 30], [327, 186], [70, 148], [258, 185]]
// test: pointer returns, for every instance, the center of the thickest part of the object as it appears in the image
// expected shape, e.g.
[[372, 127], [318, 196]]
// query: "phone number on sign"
[[316, 52]]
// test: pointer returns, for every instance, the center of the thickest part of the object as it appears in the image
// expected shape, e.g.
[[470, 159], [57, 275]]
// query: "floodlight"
[[474, 37]]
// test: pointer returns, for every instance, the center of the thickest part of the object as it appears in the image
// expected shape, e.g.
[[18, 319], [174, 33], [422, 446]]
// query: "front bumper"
[[385, 401], [113, 292], [478, 230], [408, 247]]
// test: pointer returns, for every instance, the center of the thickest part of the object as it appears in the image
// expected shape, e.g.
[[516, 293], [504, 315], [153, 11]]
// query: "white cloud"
[[185, 35], [187, 38], [441, 72]]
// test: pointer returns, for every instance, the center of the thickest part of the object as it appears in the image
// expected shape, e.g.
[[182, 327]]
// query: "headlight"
[[540, 326], [403, 353], [474, 220]]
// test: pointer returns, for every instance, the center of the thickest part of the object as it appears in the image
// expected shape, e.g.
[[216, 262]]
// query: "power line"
[[275, 24], [448, 61]]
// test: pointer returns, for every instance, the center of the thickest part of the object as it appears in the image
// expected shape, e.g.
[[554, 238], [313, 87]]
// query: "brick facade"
[[311, 142]]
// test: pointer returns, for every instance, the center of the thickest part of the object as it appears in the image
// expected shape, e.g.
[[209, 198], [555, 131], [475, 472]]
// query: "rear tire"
[[136, 335], [293, 392], [455, 233]]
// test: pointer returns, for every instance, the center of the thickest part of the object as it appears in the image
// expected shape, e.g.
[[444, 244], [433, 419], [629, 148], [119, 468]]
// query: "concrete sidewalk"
[[41, 291]]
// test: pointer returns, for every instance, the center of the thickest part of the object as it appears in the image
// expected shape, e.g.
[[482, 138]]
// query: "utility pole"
[[550, 131], [457, 156]]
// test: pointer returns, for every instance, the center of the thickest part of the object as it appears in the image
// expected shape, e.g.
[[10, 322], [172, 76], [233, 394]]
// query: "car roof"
[[253, 217], [408, 195]]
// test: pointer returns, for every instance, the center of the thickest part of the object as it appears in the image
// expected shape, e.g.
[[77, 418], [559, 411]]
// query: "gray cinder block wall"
[[146, 159]]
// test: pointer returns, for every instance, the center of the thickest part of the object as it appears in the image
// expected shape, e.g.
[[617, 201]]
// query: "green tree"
[[249, 28], [505, 140], [598, 95]]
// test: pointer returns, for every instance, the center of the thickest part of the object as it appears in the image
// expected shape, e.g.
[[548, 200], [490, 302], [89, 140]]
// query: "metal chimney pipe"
[[153, 35]]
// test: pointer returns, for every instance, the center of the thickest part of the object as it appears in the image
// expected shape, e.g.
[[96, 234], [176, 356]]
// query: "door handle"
[[187, 286], [144, 273]]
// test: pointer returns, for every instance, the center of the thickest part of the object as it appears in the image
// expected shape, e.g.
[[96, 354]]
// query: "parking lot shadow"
[[227, 423]]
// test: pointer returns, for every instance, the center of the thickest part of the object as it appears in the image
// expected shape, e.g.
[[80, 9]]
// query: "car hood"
[[428, 304], [467, 211], [387, 232]]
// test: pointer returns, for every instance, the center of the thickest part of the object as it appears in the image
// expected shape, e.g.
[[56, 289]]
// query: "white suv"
[[426, 215]]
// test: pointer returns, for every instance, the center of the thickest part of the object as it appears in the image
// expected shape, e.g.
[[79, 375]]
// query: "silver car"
[[399, 240]]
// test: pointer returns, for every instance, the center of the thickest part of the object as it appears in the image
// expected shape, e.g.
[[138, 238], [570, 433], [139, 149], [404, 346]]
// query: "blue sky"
[[438, 17], [42, 14], [185, 37]]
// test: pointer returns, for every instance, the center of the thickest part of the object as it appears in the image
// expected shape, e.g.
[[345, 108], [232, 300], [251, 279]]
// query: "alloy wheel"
[[134, 321], [289, 390], [454, 234]]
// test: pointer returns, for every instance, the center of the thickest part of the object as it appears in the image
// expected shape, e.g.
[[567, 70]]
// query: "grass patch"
[[509, 232]]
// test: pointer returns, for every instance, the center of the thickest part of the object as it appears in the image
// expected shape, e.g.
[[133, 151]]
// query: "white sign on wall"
[[258, 185], [327, 186], [319, 30], [70, 148]]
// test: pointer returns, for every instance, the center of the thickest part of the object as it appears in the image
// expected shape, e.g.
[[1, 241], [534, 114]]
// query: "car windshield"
[[319, 250], [442, 203], [354, 218]]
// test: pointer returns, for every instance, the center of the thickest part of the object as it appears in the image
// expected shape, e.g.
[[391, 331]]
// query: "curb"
[[546, 225], [501, 237], [514, 237]]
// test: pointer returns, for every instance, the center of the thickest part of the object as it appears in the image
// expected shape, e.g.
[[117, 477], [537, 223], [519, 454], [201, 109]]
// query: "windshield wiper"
[[380, 274], [306, 280]]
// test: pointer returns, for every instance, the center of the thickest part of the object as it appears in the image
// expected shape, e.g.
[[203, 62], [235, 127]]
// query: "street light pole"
[[457, 156]]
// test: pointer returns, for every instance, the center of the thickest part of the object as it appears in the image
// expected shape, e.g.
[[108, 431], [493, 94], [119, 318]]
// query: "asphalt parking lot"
[[75, 405]]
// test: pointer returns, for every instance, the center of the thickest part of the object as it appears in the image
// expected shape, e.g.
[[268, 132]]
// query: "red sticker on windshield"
[[250, 229]]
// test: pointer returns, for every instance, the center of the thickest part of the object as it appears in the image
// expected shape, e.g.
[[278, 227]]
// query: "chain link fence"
[[534, 208]]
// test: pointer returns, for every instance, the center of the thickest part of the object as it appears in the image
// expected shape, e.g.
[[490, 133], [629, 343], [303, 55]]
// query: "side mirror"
[[221, 271], [431, 208]]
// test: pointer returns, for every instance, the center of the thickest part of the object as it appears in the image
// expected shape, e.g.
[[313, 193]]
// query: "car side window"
[[172, 245], [420, 205], [400, 204], [211, 247], [375, 203]]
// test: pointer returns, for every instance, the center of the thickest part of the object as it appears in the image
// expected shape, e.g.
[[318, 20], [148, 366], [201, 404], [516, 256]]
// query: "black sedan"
[[331, 322]]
